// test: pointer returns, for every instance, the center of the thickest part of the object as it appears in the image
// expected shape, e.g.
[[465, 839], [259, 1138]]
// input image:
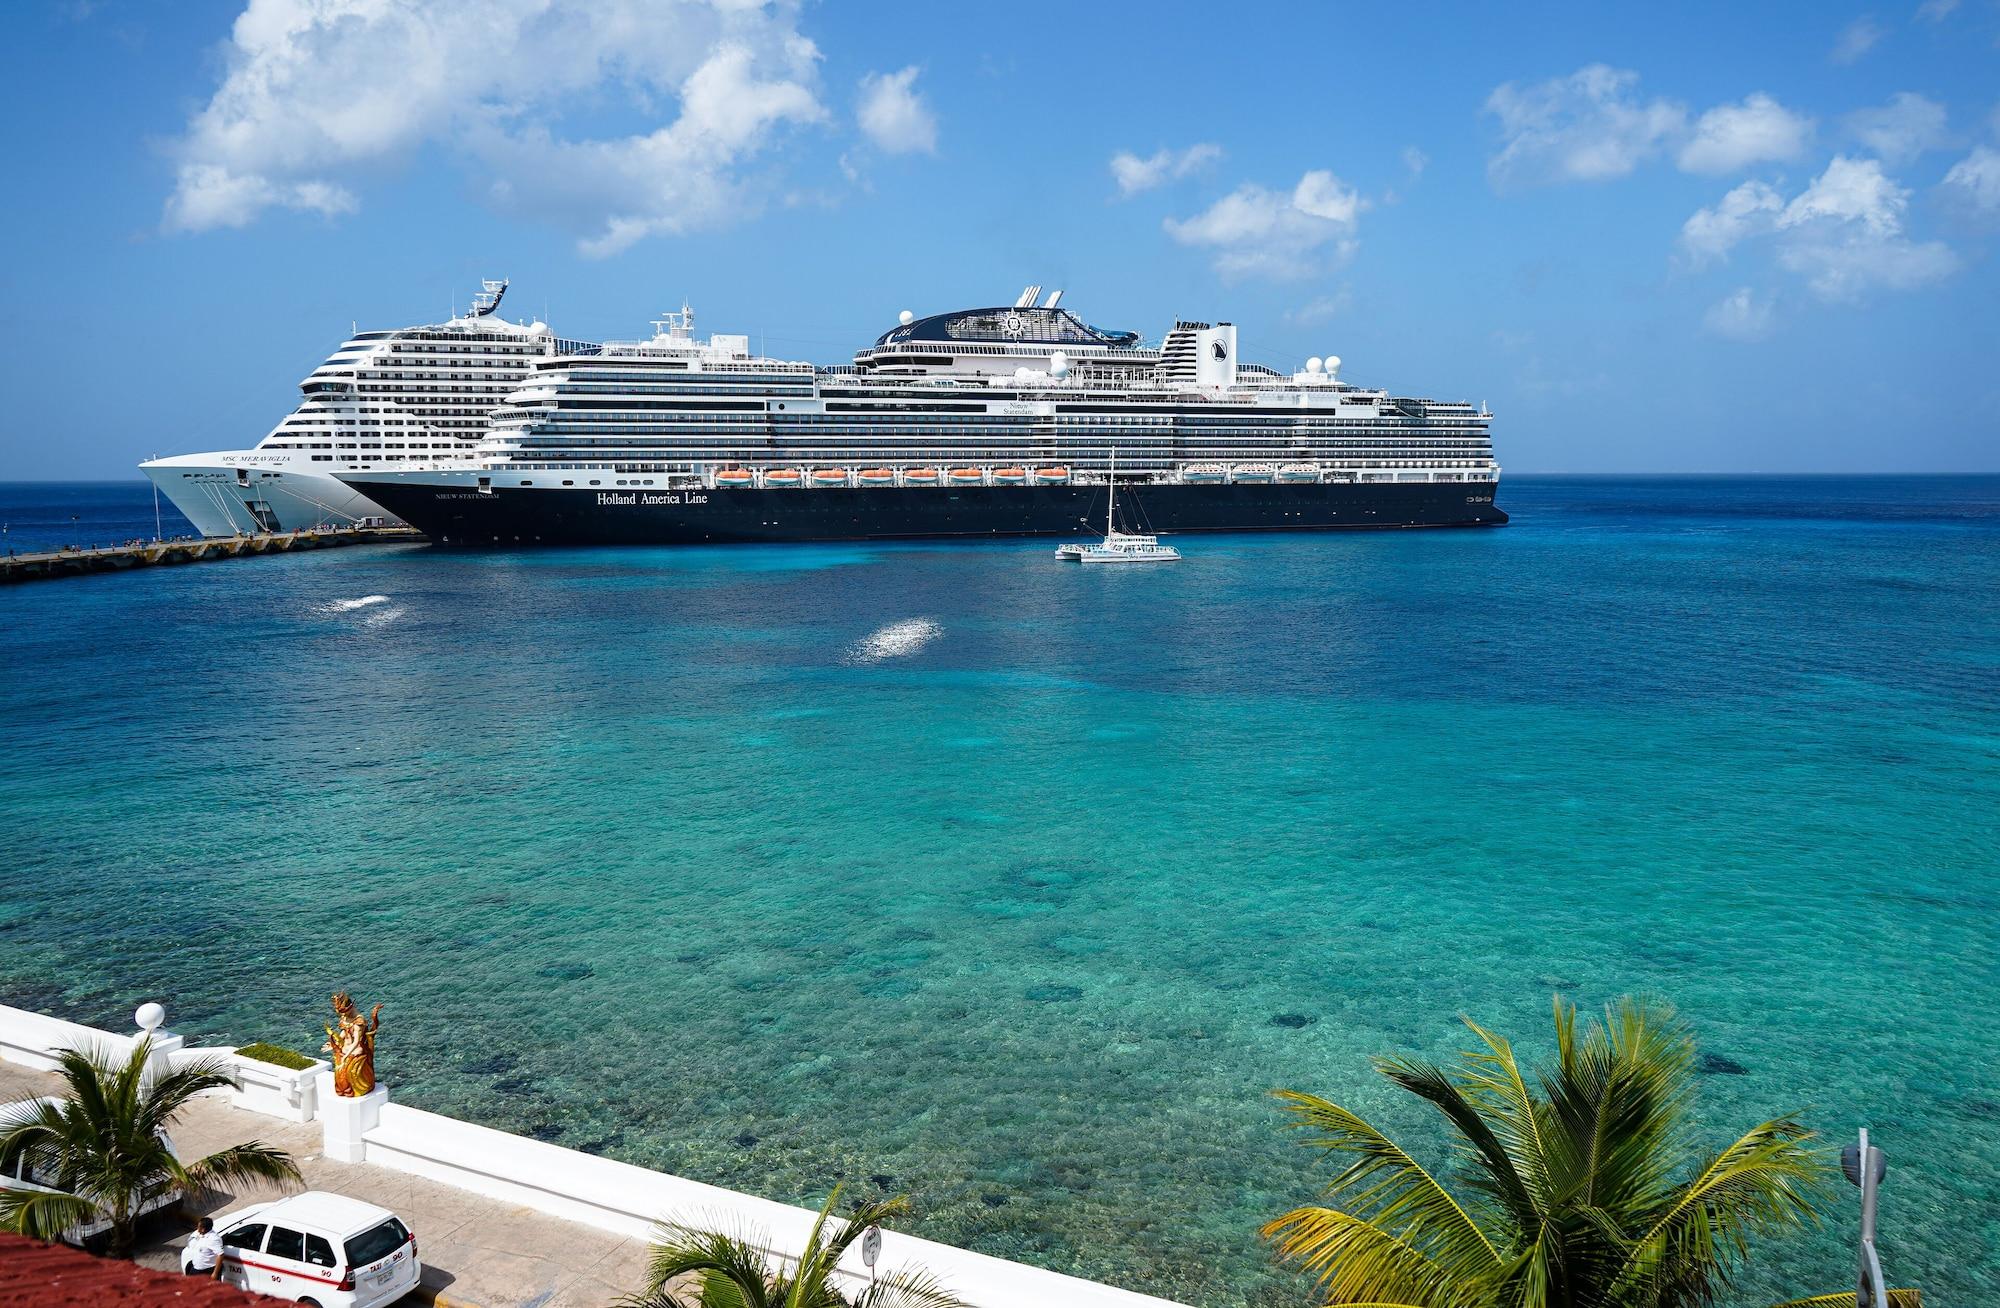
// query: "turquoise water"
[[1016, 886]]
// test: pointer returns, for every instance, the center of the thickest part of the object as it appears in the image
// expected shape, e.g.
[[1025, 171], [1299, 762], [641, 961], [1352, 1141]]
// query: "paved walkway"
[[477, 1252]]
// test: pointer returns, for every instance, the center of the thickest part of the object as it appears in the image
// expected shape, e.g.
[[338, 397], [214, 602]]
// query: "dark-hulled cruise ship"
[[975, 423]]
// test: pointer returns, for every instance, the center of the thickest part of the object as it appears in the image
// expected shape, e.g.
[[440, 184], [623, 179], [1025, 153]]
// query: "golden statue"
[[352, 1045]]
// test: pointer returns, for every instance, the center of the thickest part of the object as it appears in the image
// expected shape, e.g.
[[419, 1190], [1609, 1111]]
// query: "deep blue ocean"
[[951, 870]]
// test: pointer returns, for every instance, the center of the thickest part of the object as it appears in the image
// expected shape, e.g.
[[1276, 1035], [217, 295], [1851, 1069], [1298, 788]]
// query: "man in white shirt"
[[204, 1251]]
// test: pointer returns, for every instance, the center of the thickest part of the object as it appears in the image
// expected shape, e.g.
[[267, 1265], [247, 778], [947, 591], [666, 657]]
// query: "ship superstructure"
[[975, 422], [384, 399]]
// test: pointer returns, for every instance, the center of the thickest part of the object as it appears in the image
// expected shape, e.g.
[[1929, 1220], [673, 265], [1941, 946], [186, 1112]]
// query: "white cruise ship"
[[384, 399], [998, 421]]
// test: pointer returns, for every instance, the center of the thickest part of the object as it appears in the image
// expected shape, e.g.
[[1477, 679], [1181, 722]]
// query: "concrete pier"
[[157, 553]]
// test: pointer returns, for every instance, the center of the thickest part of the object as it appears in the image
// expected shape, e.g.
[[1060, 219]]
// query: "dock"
[[72, 562]]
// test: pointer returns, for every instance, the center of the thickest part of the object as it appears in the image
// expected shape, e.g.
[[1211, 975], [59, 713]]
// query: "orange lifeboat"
[[878, 476], [782, 477], [920, 476], [829, 476], [1051, 476], [733, 477], [1010, 476], [967, 476]]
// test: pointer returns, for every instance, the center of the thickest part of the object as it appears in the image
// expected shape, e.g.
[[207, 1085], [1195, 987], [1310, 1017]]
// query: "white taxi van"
[[319, 1248]]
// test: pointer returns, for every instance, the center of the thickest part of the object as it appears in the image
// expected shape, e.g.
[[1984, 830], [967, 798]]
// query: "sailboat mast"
[[1111, 500]]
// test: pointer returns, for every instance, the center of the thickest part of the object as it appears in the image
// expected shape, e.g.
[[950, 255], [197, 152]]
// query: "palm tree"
[[103, 1145], [1584, 1189], [731, 1271]]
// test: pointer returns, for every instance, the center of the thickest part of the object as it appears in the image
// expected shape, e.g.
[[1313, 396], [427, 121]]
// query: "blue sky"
[[1728, 237]]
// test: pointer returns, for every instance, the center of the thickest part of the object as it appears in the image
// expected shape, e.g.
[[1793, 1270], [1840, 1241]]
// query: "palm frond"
[[41, 1215], [1355, 1261], [87, 1074], [1492, 1081], [1621, 1094], [29, 1127], [661, 1298], [811, 1285], [716, 1258], [1385, 1186], [1765, 1182], [1845, 1299], [253, 1161], [907, 1287], [168, 1094], [1493, 1171]]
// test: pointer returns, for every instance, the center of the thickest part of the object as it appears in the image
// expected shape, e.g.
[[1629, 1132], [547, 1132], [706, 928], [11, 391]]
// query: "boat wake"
[[897, 640], [348, 605]]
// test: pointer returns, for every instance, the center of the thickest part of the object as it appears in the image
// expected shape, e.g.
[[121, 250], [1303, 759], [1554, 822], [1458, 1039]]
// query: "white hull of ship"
[[224, 494]]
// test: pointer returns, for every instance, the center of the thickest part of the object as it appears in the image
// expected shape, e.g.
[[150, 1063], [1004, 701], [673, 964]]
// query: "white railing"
[[566, 1184], [630, 1201]]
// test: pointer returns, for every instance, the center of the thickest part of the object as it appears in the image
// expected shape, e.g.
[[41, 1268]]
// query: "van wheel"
[[312, 1303]]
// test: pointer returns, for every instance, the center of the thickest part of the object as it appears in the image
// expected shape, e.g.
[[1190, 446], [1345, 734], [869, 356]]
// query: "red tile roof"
[[37, 1275]]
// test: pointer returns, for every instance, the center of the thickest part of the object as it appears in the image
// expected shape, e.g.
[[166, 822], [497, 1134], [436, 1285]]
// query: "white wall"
[[33, 1040], [612, 1196], [629, 1200]]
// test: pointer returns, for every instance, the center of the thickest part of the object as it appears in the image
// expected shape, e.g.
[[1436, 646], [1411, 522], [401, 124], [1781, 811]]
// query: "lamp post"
[[1864, 1165]]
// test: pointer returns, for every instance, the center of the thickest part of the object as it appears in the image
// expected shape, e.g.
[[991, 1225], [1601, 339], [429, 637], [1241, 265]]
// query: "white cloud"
[[1278, 235], [1740, 316], [1902, 129], [1733, 136], [1856, 39], [894, 116], [1843, 234], [209, 195], [1320, 309], [317, 95], [1415, 160], [1134, 174], [1850, 190], [1936, 11], [1749, 210], [1588, 126], [1975, 179]]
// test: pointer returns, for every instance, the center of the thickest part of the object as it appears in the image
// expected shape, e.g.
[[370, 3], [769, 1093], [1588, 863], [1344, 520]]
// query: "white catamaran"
[[1117, 546]]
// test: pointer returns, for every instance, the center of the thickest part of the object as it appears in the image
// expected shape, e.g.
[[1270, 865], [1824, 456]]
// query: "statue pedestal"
[[346, 1121]]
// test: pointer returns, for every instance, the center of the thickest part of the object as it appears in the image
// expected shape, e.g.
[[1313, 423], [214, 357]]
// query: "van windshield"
[[376, 1242]]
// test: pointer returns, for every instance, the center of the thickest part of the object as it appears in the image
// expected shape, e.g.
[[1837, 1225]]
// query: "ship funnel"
[[1055, 298]]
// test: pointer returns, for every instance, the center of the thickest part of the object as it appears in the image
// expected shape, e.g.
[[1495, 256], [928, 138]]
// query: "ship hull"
[[458, 513], [228, 494]]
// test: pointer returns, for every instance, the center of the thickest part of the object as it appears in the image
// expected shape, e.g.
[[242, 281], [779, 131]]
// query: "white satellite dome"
[[1021, 372], [1313, 364], [906, 317], [1059, 363], [1333, 363]]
